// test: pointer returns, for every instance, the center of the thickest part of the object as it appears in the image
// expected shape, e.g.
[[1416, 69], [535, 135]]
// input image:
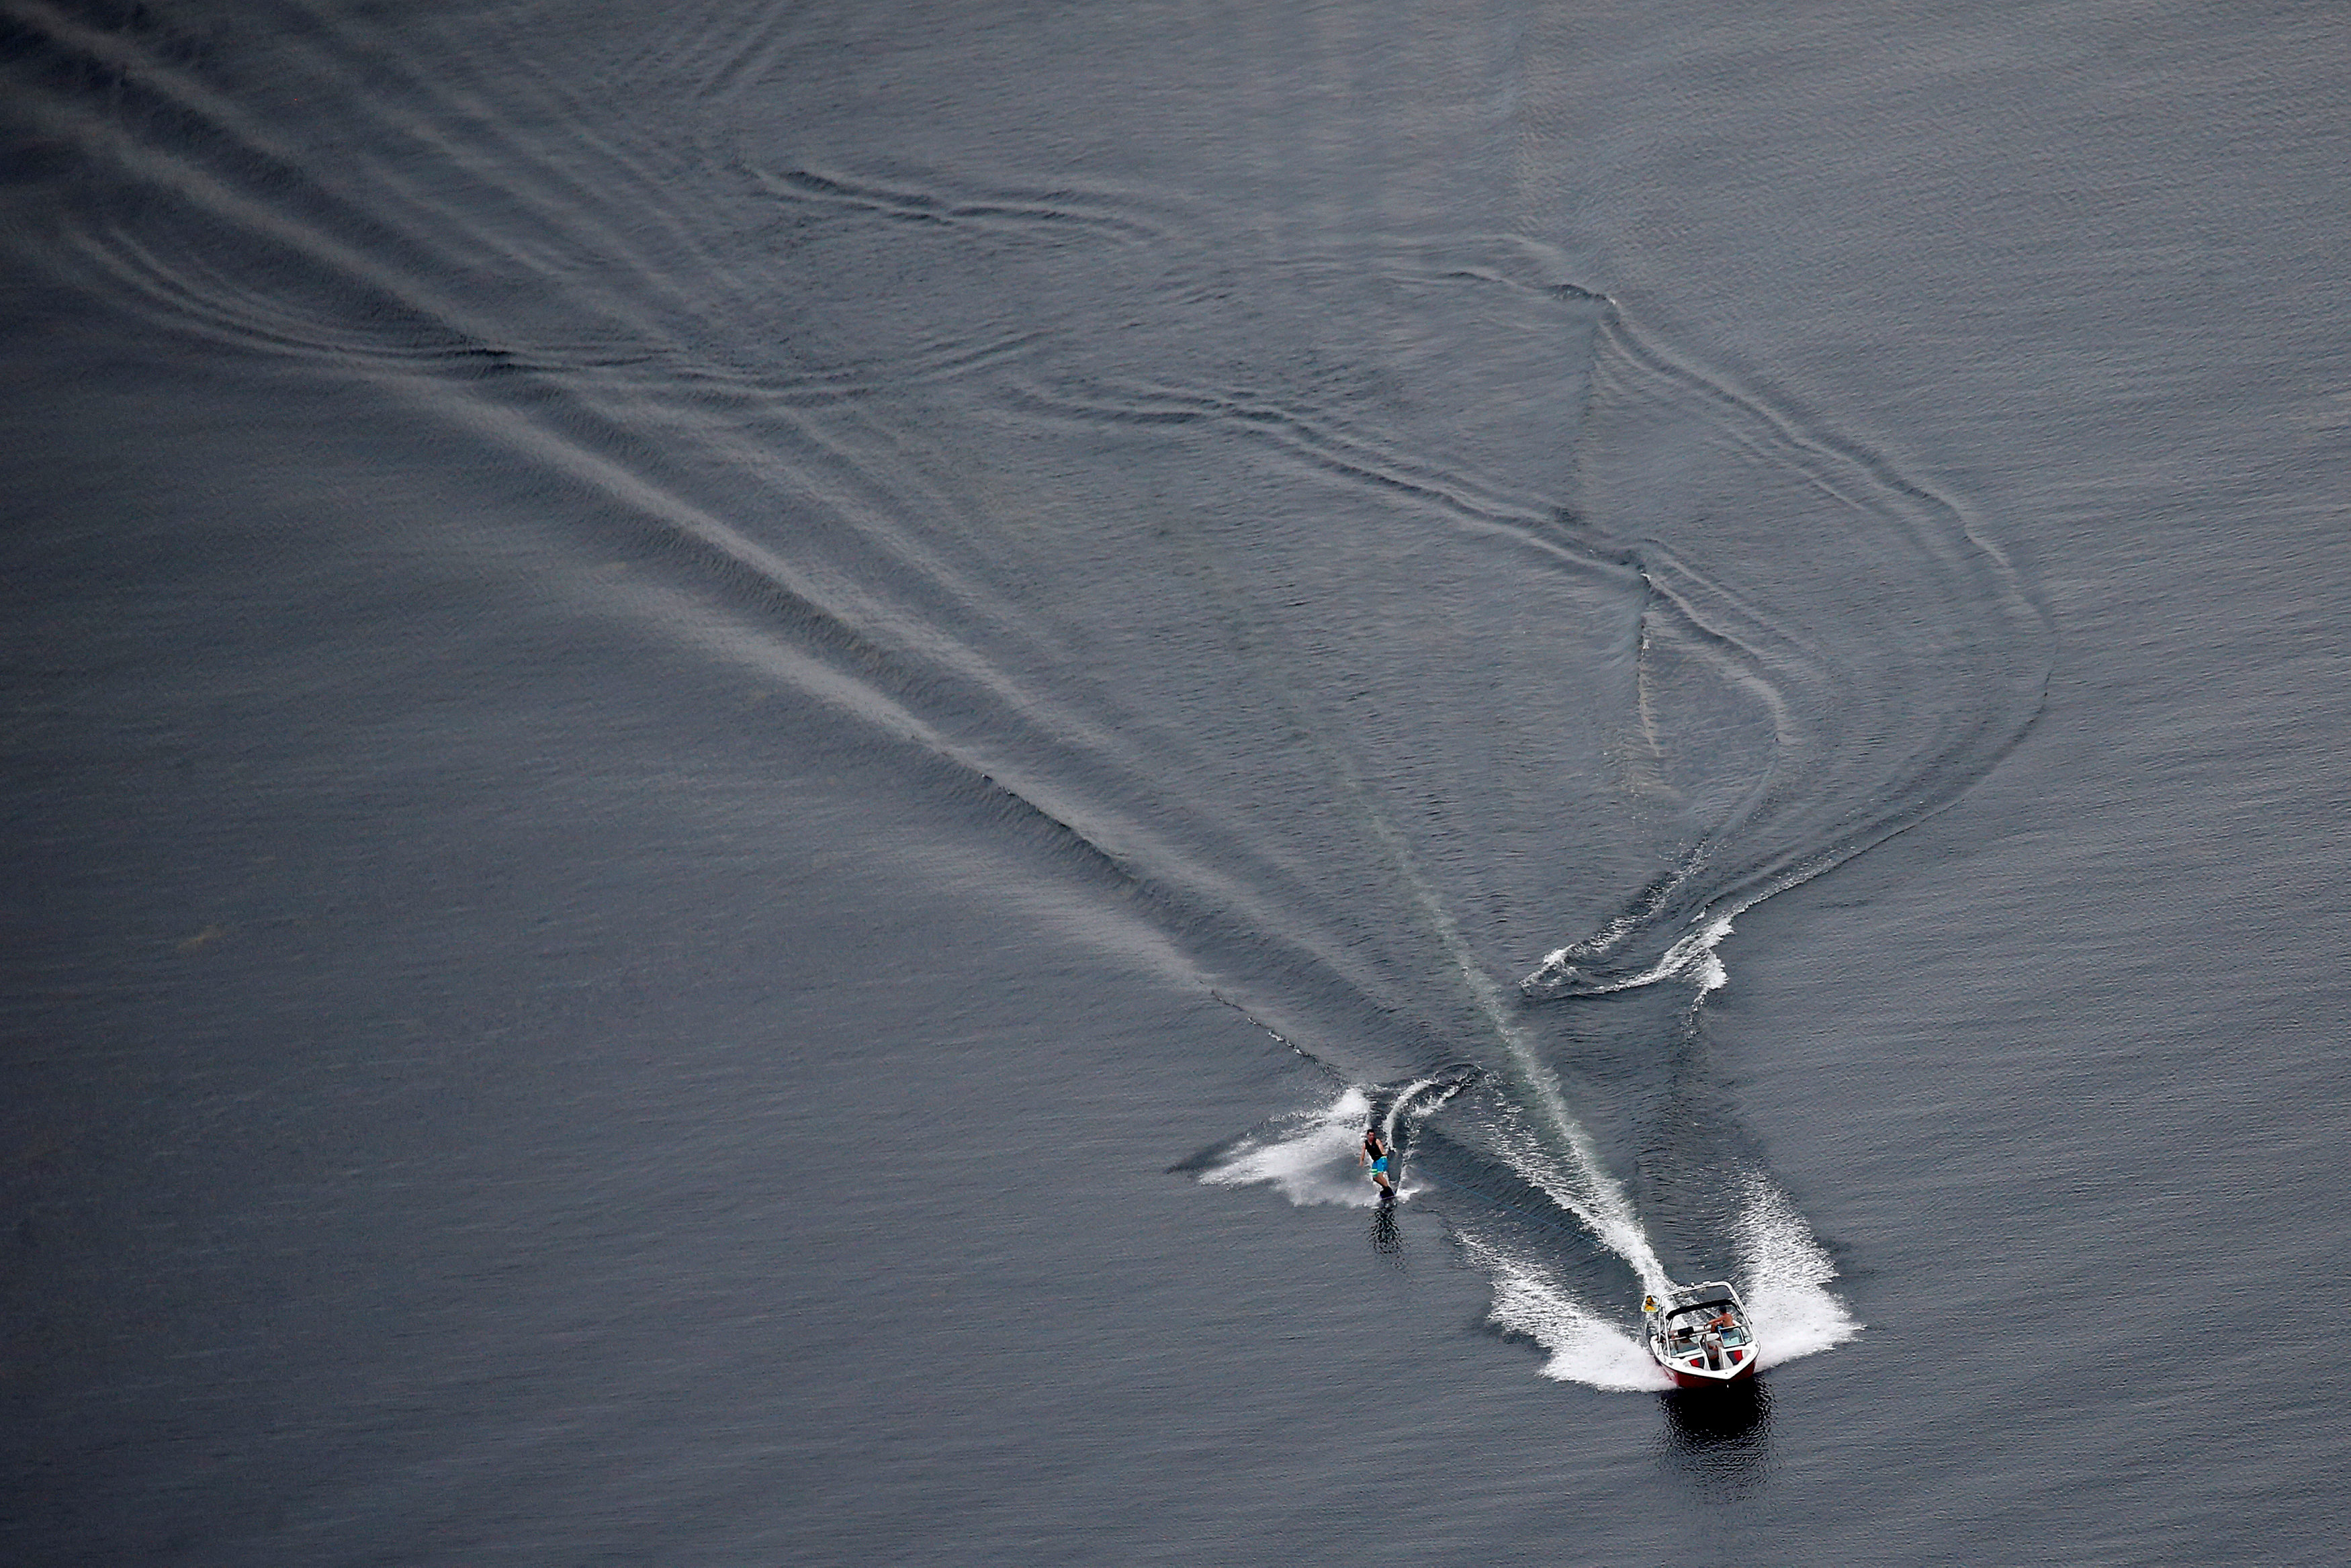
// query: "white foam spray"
[[1587, 1193], [1308, 1157], [1403, 1103], [1787, 1275], [1692, 958], [1584, 1347]]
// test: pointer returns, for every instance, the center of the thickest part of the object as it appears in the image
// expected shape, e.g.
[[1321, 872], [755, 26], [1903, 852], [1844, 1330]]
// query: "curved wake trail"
[[1865, 712], [1242, 567]]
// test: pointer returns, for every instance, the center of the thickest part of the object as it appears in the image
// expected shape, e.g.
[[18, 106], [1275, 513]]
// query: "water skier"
[[1375, 1155]]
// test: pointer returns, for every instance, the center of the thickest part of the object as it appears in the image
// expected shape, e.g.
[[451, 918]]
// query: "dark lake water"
[[740, 737]]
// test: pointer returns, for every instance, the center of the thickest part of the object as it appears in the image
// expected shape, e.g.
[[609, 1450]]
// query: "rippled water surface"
[[743, 736]]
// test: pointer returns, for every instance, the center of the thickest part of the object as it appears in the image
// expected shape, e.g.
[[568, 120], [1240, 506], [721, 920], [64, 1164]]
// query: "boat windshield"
[[1702, 1311], [1685, 1324]]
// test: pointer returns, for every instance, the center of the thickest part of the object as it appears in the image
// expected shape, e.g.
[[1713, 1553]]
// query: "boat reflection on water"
[[1721, 1435]]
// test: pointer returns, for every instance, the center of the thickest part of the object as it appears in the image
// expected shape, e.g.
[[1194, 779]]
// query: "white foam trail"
[[1576, 1176], [1613, 1223], [1585, 1189], [1396, 1107], [1693, 959], [1308, 1157], [1413, 1091], [1786, 1274], [1584, 1347]]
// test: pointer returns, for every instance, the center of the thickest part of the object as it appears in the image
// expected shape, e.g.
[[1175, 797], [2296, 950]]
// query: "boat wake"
[[1787, 746], [1582, 1345], [1546, 1288], [1362, 608]]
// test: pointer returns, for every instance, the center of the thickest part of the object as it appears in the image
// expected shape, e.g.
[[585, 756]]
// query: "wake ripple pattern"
[[1282, 585], [1909, 662]]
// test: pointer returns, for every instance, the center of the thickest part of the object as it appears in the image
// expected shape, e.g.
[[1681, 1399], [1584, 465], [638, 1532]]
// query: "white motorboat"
[[1700, 1336]]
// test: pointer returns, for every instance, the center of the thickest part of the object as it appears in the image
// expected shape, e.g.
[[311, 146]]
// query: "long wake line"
[[388, 270]]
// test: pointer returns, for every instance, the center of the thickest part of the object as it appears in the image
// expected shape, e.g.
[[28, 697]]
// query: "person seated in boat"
[[1725, 1319]]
